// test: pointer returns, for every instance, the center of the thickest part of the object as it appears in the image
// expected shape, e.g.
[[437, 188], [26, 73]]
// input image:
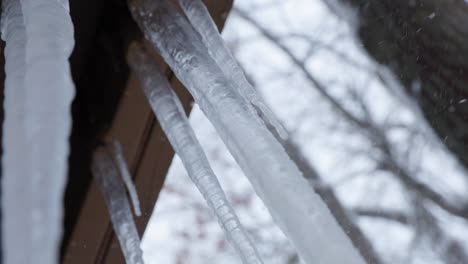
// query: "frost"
[[127, 178], [201, 20], [175, 124], [295, 207], [106, 176], [39, 91]]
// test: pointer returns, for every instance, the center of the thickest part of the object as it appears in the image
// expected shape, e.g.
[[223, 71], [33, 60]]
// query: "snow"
[[200, 18], [273, 175], [127, 178], [174, 122], [39, 36], [106, 176]]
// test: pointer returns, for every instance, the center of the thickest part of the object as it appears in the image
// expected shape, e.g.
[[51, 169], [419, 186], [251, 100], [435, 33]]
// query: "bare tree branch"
[[387, 161], [384, 214], [375, 133]]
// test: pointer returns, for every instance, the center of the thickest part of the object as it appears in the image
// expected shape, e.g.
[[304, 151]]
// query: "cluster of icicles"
[[38, 93]]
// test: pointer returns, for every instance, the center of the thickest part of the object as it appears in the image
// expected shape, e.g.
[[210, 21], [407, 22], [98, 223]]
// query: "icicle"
[[125, 173], [297, 209], [201, 20], [16, 209], [47, 121], [175, 124], [106, 176]]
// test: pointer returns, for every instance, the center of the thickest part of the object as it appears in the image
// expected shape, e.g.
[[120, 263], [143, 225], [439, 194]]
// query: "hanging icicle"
[[16, 209], [296, 208], [47, 120], [106, 176], [39, 90], [200, 18], [175, 124], [127, 178]]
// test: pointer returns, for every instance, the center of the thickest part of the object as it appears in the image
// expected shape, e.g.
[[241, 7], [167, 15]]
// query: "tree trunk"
[[425, 44]]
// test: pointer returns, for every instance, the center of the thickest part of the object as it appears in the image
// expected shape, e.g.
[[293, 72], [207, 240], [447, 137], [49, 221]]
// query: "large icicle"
[[297, 209], [106, 176], [49, 91], [16, 186], [127, 178], [200, 18], [175, 124]]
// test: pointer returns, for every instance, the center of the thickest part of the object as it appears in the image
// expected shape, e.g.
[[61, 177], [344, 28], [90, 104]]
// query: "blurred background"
[[360, 141]]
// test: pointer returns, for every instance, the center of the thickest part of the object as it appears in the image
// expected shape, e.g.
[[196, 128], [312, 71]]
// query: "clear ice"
[[200, 18], [16, 209], [173, 120], [38, 95], [127, 178], [294, 206], [107, 177]]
